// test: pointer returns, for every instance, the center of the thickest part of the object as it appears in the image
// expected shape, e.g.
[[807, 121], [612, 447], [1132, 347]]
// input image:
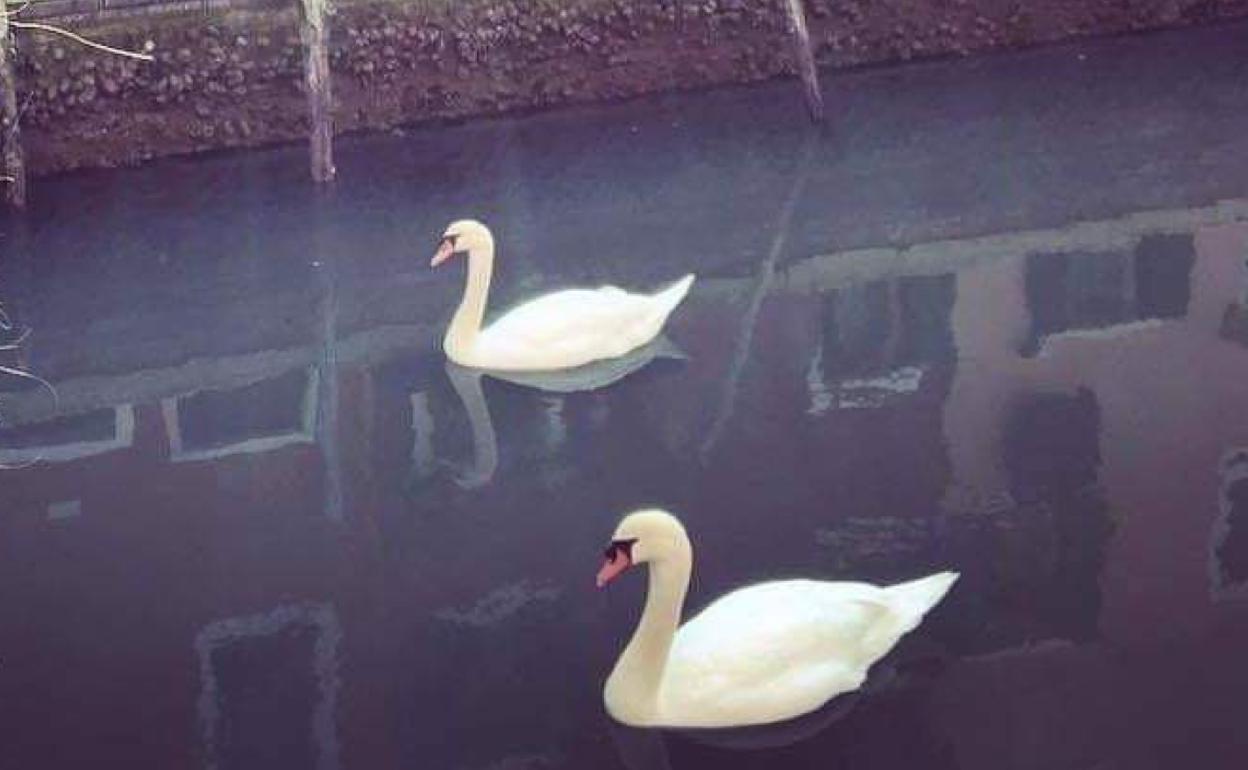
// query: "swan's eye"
[[620, 547]]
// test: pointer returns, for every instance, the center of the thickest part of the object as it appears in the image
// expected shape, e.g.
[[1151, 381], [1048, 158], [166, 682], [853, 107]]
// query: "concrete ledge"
[[228, 71]]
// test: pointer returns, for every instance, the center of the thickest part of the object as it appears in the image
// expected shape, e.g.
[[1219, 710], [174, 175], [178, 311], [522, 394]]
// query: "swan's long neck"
[[466, 324], [638, 675], [467, 385]]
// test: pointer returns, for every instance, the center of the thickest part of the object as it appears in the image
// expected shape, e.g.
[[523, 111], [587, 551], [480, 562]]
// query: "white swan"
[[761, 654], [556, 331]]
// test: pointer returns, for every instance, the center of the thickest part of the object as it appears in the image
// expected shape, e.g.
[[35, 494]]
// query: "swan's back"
[[577, 326], [777, 650]]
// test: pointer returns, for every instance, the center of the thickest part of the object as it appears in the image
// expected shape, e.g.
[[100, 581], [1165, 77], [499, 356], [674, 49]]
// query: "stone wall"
[[233, 78]]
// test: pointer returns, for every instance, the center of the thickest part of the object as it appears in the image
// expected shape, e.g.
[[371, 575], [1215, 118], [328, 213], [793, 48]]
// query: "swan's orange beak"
[[445, 249], [613, 567]]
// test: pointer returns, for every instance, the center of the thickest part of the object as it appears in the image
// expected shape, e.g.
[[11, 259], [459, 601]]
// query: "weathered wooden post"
[[329, 374], [804, 56], [762, 284], [13, 168], [12, 165], [314, 32]]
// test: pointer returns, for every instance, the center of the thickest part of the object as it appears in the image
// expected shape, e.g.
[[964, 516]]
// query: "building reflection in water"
[[1070, 292], [1048, 412], [1228, 565], [1113, 421], [878, 339], [281, 666]]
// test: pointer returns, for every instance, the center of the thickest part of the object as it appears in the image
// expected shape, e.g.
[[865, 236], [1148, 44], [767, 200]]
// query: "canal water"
[[995, 320]]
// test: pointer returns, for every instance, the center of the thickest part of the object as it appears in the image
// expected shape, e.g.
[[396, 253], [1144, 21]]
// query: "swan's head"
[[462, 237], [644, 536]]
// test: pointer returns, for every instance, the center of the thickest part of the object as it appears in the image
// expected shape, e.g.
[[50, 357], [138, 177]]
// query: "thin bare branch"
[[6, 324], [14, 344], [18, 466], [34, 25], [22, 373], [11, 14]]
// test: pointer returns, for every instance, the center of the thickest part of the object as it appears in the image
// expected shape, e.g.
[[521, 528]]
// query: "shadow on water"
[[642, 749], [269, 526], [823, 738], [583, 379]]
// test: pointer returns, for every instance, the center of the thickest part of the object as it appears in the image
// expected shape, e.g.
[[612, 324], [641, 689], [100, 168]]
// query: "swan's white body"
[[561, 330], [762, 654], [572, 328]]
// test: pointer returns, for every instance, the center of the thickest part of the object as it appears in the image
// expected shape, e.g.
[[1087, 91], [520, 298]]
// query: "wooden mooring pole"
[[13, 168], [314, 32], [804, 55]]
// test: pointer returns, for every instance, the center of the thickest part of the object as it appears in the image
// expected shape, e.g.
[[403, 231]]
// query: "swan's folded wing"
[[571, 318], [774, 650]]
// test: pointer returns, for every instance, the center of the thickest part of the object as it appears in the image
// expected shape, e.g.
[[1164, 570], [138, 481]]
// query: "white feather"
[[575, 327], [761, 654]]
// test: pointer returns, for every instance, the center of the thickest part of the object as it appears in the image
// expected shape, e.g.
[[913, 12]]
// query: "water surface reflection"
[[1049, 412], [270, 528]]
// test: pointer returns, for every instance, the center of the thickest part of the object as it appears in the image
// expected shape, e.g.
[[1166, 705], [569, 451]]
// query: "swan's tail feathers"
[[673, 295], [911, 601], [665, 348]]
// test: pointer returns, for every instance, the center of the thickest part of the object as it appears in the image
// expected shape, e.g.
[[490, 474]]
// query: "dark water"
[[998, 322]]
